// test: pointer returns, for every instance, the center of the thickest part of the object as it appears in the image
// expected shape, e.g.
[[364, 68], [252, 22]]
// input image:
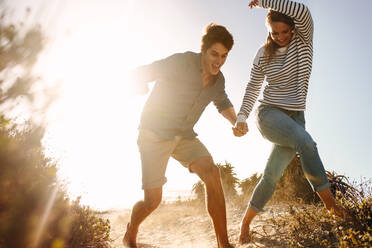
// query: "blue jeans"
[[286, 130]]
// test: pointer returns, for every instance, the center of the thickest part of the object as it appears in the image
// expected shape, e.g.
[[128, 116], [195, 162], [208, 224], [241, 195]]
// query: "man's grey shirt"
[[178, 97]]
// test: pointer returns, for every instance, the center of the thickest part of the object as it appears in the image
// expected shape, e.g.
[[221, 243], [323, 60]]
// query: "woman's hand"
[[253, 3], [240, 129]]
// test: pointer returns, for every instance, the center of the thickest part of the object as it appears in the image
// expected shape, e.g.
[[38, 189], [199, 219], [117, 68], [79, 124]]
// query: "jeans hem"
[[323, 187], [254, 208]]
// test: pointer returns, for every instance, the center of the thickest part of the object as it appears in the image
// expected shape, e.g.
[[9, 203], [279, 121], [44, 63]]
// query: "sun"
[[92, 125]]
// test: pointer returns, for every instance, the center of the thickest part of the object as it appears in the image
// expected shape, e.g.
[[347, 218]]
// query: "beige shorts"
[[155, 152]]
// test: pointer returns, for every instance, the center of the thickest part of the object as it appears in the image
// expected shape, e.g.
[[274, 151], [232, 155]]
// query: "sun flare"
[[95, 116]]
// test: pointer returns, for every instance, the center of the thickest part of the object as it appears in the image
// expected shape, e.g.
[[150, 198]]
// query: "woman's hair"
[[275, 16], [216, 33]]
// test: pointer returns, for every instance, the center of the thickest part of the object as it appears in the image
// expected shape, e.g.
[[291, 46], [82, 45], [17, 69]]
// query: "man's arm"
[[229, 114], [137, 86], [140, 77]]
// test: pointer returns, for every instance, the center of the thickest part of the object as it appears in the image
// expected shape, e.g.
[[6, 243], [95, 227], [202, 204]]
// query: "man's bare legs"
[[210, 175], [142, 209]]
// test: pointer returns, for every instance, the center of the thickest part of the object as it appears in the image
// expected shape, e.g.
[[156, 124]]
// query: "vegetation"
[[199, 190], [293, 186], [247, 185], [228, 179], [34, 208], [312, 226], [307, 224]]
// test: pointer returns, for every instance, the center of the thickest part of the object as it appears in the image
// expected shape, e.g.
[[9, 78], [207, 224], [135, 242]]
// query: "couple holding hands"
[[187, 82]]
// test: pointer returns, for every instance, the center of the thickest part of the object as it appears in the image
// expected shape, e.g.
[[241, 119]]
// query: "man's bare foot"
[[244, 236], [228, 245], [129, 239]]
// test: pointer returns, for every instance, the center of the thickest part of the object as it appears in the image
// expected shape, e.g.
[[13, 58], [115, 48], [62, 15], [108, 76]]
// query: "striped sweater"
[[287, 74]]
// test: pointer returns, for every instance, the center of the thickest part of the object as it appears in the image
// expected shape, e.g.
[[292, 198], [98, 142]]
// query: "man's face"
[[214, 58]]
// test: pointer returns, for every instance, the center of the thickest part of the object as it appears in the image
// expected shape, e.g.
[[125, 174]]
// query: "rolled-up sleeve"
[[156, 70], [224, 104]]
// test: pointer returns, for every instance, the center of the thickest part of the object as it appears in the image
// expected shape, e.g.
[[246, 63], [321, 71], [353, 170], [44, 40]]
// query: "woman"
[[285, 60]]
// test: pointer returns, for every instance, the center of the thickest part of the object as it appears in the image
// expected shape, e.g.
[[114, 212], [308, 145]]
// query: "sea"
[[170, 196]]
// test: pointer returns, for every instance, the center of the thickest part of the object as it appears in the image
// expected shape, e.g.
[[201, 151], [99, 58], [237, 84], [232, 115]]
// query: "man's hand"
[[253, 3], [240, 129]]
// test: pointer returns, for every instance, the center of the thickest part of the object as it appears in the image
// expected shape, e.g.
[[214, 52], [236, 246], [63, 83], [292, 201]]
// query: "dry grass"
[[286, 223]]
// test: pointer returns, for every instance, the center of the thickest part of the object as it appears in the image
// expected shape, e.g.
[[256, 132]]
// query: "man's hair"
[[216, 34]]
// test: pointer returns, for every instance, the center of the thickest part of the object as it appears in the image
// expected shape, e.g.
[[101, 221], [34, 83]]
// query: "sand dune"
[[185, 225]]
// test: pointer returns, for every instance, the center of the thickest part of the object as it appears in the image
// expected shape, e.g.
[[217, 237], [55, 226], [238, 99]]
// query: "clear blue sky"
[[117, 35]]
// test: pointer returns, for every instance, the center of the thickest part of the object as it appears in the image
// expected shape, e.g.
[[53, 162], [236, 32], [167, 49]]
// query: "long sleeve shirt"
[[178, 97], [288, 73]]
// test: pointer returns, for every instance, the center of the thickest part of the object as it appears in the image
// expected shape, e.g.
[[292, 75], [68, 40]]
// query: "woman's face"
[[281, 33]]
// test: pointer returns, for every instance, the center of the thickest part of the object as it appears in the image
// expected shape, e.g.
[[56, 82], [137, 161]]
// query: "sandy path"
[[188, 225]]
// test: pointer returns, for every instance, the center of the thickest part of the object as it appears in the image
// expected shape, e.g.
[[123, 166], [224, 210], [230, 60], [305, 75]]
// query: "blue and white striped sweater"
[[288, 73]]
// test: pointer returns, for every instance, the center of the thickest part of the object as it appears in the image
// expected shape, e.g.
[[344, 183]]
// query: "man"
[[185, 84]]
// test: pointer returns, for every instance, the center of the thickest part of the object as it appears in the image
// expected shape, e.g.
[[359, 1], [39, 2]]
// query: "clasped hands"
[[240, 129]]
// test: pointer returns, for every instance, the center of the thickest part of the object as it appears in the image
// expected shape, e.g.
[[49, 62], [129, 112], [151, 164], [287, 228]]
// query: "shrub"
[[312, 226], [87, 230], [34, 209]]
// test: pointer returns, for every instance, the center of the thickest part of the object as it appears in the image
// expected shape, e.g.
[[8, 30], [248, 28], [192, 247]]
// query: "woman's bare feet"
[[332, 205], [129, 239], [340, 212], [245, 236]]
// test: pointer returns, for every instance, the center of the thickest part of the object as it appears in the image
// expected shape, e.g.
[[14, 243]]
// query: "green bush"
[[357, 200], [34, 209], [88, 230]]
